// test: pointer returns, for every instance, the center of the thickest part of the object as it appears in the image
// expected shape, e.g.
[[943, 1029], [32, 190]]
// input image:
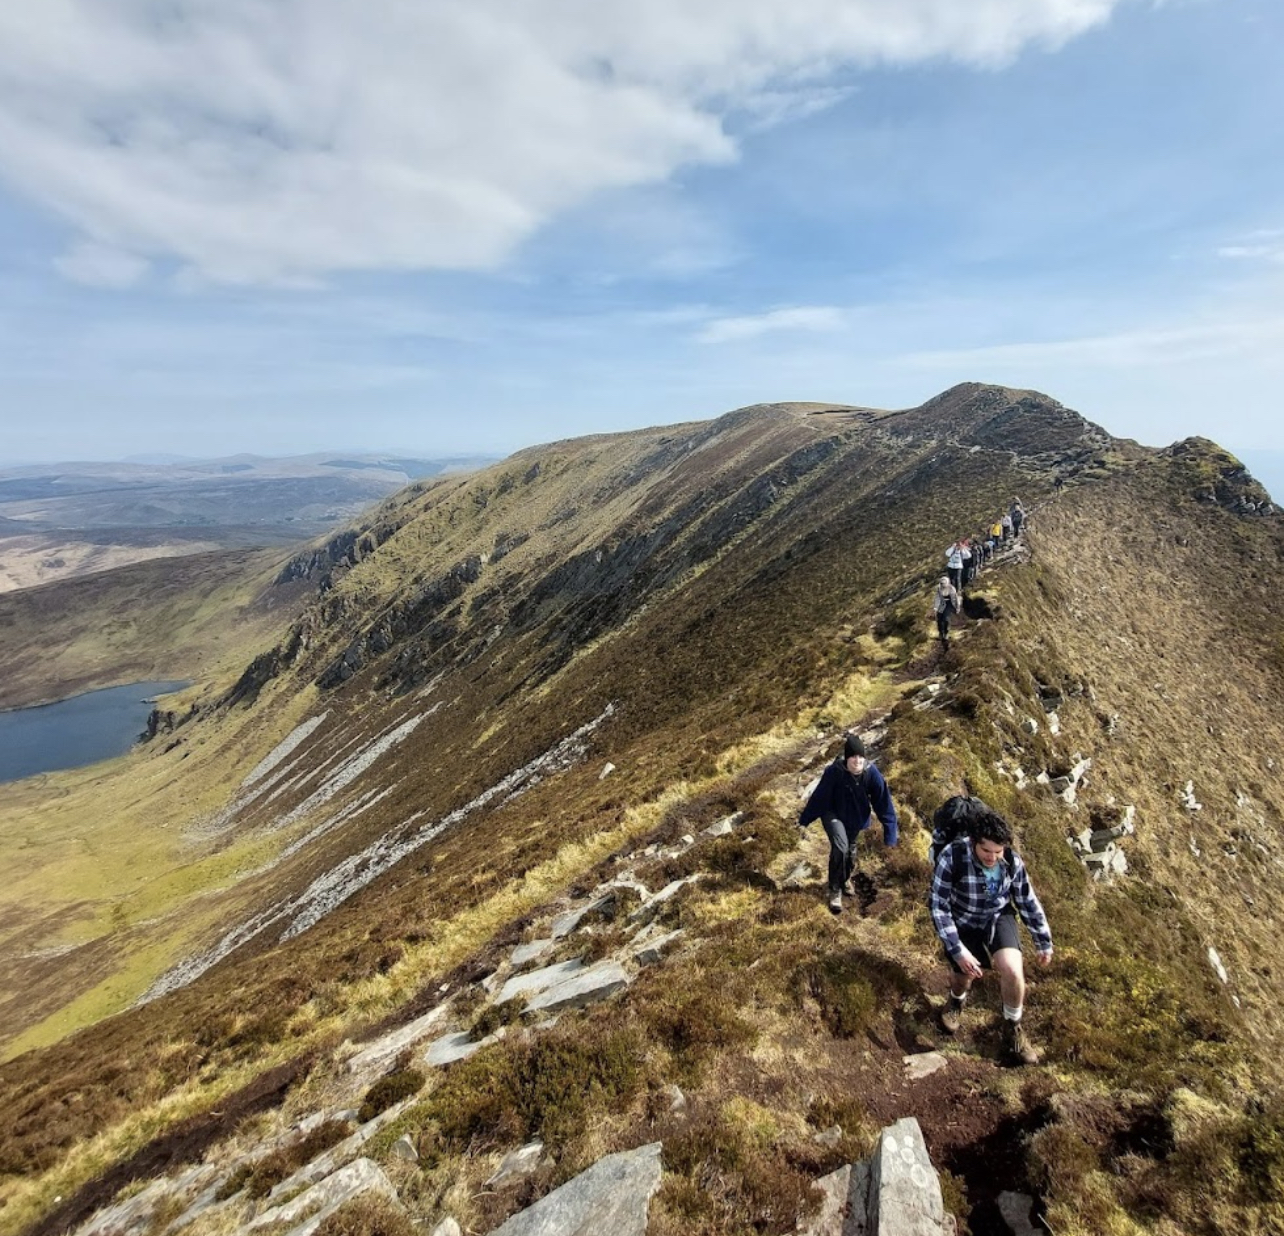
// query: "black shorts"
[[984, 942]]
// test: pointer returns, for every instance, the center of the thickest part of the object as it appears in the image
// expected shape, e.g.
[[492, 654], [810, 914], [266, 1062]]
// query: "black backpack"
[[953, 818]]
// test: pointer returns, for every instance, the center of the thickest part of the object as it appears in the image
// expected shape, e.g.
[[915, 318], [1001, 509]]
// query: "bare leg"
[[1007, 965]]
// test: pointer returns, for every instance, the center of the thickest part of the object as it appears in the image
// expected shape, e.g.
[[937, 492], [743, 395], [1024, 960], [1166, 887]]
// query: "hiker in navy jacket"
[[849, 789]]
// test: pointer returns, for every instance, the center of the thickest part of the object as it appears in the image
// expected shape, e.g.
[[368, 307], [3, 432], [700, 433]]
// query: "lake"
[[77, 731]]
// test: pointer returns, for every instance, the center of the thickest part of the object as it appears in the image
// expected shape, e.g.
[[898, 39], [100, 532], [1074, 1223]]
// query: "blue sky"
[[292, 225]]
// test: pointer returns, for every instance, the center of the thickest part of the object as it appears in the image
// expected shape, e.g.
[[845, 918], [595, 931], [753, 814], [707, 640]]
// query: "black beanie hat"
[[853, 746]]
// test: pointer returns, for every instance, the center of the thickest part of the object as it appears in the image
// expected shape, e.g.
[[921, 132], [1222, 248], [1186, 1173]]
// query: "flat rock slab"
[[452, 1047], [537, 980], [613, 1196], [587, 987], [524, 954], [923, 1064], [359, 1178], [566, 923], [374, 1058], [323, 1165]]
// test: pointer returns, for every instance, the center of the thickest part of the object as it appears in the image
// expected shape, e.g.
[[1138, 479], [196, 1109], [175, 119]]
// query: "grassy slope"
[[163, 619], [720, 693]]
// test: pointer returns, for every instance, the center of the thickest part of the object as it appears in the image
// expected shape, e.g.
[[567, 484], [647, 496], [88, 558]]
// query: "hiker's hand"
[[969, 965], [1045, 959]]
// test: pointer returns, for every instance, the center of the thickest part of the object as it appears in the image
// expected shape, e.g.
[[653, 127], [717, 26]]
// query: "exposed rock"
[[524, 954], [323, 1165], [538, 980], [725, 825], [1188, 799], [451, 1047], [923, 1064], [607, 770], [677, 1100], [566, 923], [652, 951], [520, 1162], [613, 1196], [650, 908], [447, 1227], [830, 1137], [1107, 864], [375, 1057], [583, 988], [1054, 724], [1030, 726], [896, 1193], [404, 1148], [1215, 961], [801, 874], [318, 1203], [1015, 1209]]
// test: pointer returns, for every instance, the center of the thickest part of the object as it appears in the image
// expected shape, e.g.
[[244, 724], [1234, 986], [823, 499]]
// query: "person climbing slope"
[[954, 563], [1017, 514], [849, 790], [978, 888], [945, 604]]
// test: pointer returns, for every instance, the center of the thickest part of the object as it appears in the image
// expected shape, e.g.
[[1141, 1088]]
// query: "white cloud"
[[280, 140], [800, 318], [102, 266]]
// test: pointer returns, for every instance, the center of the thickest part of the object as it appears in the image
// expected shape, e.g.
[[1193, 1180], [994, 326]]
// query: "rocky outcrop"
[[896, 1192], [613, 1197]]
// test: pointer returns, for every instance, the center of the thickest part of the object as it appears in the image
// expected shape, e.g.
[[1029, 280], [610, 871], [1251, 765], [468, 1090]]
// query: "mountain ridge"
[[755, 586]]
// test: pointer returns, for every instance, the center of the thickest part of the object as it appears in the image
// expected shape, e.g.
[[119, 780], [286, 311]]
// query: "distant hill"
[[66, 520], [615, 665]]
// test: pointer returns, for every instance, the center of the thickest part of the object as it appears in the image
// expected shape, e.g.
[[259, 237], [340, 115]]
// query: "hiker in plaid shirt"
[[978, 889]]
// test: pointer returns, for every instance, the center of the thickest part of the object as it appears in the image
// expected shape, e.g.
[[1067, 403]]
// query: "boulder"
[[404, 1148], [613, 1196], [566, 923], [583, 988], [895, 1193], [1015, 1209]]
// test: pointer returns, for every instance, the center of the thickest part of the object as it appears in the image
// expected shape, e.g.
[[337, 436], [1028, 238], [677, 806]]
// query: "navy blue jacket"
[[850, 799]]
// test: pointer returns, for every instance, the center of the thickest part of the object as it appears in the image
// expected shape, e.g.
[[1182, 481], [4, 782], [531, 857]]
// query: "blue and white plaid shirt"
[[969, 902]]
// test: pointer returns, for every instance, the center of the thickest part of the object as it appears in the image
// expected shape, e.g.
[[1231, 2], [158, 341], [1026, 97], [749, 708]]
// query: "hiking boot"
[[951, 1016], [835, 903], [1017, 1044]]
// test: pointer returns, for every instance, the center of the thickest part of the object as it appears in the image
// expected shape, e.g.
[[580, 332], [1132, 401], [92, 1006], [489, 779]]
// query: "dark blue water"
[[71, 733]]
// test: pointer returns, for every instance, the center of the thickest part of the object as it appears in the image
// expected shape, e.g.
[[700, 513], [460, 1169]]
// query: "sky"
[[467, 226]]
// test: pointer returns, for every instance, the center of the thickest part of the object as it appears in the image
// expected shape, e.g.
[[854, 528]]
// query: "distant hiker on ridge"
[[849, 789], [1017, 514], [969, 562], [996, 533], [945, 603], [954, 563], [979, 887], [1006, 524]]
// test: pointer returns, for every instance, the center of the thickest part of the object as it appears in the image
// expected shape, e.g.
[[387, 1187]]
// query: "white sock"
[[1012, 1014], [958, 999]]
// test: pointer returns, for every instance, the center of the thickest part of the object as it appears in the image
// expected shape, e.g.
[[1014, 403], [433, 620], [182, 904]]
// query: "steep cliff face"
[[415, 771]]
